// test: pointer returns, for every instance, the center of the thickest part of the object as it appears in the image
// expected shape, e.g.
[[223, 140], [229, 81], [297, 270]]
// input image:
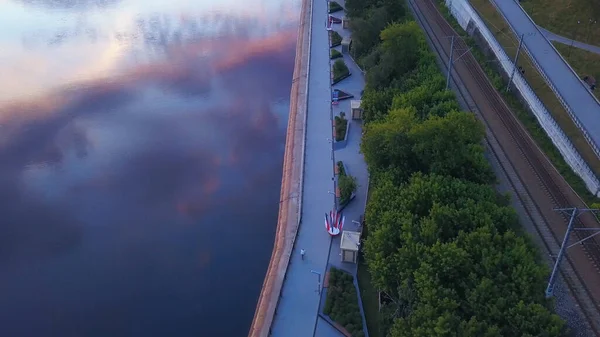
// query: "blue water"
[[141, 146]]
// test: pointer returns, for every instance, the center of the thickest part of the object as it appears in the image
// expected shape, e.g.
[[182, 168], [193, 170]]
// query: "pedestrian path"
[[297, 310], [565, 40], [297, 313], [572, 90], [355, 166]]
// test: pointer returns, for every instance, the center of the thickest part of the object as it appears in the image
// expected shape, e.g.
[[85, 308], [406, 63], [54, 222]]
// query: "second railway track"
[[543, 183]]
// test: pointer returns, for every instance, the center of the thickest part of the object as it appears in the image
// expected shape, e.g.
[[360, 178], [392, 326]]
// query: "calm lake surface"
[[141, 146]]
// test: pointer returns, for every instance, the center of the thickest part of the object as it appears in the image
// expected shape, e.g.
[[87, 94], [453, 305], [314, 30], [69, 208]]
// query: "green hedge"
[[341, 169], [341, 304]]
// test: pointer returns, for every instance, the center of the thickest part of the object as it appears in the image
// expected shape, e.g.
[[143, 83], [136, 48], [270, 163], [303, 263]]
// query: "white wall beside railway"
[[465, 14]]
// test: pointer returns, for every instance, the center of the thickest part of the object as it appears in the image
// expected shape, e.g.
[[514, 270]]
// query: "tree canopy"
[[442, 243]]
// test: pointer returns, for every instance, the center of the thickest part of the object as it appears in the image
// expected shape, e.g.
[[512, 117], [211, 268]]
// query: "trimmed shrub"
[[341, 124], [341, 169], [347, 185]]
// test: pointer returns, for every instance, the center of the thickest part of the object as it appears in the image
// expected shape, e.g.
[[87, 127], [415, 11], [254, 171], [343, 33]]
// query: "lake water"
[[141, 146]]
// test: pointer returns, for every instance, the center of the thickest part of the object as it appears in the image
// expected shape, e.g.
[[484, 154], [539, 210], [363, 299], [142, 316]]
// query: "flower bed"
[[341, 169], [334, 7], [346, 184], [341, 304], [335, 54], [341, 124], [340, 71], [335, 38]]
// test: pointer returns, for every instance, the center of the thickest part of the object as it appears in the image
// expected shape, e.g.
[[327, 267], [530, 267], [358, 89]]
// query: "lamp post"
[[574, 37], [587, 35], [319, 282]]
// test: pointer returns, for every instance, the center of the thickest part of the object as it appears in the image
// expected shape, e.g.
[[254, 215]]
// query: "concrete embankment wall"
[[469, 20], [290, 203]]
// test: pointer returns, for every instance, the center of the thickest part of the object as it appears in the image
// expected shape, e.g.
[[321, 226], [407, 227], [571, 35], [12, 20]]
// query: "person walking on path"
[[302, 252]]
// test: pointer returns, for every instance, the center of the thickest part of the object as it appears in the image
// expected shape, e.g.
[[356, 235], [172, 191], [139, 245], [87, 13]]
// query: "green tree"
[[365, 31], [386, 145], [451, 145], [376, 103], [399, 53]]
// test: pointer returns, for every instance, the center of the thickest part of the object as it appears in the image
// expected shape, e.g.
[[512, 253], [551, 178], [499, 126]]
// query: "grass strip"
[[584, 63]]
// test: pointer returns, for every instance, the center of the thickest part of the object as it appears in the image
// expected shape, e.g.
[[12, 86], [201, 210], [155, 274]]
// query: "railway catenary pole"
[[450, 63], [453, 60], [573, 213], [574, 38], [512, 75]]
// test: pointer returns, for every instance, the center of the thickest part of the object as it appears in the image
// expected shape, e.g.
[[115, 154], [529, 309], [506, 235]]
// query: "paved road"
[[574, 92], [296, 314], [565, 40]]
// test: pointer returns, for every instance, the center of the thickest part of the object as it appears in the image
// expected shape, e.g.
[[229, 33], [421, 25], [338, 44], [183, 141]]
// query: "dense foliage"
[[442, 244], [341, 304]]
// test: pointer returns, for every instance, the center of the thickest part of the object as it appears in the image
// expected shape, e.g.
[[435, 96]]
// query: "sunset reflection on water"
[[141, 146]]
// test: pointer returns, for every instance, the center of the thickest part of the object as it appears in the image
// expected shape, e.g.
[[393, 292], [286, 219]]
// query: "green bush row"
[[442, 242]]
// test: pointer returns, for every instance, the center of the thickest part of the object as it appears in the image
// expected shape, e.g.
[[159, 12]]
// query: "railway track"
[[542, 182]]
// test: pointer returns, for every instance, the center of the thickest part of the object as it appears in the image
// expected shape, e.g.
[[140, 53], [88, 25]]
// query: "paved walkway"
[[296, 313], [355, 165], [565, 40], [574, 92], [298, 309]]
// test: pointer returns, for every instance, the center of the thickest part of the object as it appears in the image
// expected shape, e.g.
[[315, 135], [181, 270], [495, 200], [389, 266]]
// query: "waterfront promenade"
[[297, 309], [355, 166], [302, 296]]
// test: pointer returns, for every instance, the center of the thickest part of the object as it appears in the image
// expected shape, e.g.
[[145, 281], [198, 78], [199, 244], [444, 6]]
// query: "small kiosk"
[[346, 45], [345, 23], [349, 245], [355, 110]]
